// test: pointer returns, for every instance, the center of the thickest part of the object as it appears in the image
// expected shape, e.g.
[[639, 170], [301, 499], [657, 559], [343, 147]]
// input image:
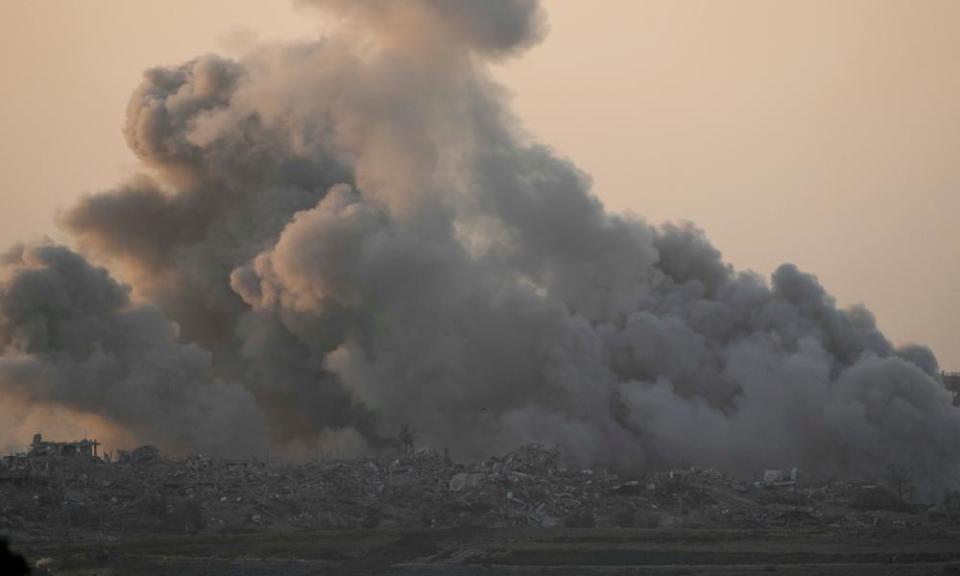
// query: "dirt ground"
[[475, 551]]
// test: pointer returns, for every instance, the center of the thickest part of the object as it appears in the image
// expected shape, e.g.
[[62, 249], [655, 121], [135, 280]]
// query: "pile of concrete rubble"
[[143, 492]]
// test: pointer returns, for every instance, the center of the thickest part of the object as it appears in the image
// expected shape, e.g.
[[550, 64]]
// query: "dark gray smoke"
[[72, 337], [494, 28], [352, 233]]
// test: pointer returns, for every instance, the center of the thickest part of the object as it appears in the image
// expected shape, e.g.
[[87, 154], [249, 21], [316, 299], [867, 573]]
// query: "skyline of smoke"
[[353, 233]]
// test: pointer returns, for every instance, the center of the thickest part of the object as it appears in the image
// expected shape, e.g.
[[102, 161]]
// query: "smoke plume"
[[352, 233]]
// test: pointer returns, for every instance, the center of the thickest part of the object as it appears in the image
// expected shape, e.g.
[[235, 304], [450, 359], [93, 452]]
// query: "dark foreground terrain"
[[469, 551]]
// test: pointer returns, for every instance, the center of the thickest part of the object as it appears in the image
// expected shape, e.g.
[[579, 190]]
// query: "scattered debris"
[[780, 477], [145, 492], [141, 455]]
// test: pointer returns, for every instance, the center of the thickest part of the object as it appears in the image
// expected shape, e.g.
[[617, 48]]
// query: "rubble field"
[[422, 513]]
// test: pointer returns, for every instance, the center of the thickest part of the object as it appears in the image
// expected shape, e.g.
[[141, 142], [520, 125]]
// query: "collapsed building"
[[77, 448], [780, 477], [951, 381]]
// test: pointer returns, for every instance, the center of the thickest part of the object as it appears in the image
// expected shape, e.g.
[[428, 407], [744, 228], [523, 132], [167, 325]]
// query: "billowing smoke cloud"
[[352, 233], [71, 337], [493, 28]]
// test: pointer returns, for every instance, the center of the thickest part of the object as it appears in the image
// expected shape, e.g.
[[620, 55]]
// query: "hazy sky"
[[824, 133]]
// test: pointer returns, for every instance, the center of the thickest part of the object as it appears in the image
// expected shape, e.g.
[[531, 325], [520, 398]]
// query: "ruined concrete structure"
[[77, 448], [145, 453], [951, 380], [780, 477]]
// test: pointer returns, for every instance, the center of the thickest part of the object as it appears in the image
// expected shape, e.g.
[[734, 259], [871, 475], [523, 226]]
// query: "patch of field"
[[475, 551]]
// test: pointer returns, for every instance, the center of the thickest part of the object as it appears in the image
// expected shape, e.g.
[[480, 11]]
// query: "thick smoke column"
[[352, 233]]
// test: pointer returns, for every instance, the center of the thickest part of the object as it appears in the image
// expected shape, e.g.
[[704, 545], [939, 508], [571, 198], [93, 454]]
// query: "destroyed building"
[[951, 381], [144, 453], [780, 477], [77, 448]]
